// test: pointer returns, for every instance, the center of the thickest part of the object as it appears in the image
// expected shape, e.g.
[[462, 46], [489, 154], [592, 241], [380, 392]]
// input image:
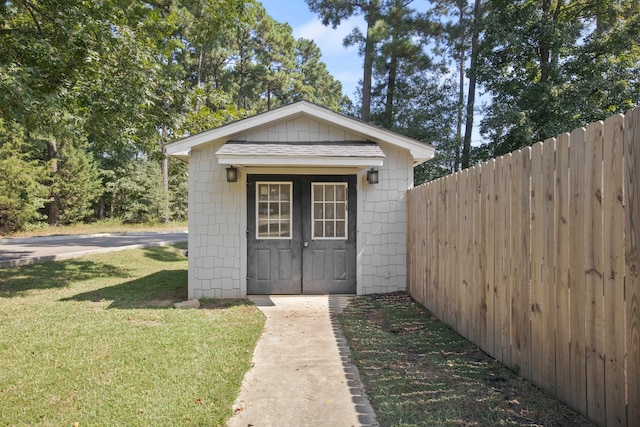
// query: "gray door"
[[301, 234]]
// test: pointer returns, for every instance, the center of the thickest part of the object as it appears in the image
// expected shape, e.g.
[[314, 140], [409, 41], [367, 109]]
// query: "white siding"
[[215, 211], [300, 129], [382, 225]]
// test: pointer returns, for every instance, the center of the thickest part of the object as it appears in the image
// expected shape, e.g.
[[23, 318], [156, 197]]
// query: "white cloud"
[[328, 39]]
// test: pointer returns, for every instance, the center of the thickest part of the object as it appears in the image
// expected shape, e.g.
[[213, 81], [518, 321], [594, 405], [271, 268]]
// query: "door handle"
[[305, 244]]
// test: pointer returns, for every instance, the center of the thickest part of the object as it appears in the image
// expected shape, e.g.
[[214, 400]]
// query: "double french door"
[[301, 234]]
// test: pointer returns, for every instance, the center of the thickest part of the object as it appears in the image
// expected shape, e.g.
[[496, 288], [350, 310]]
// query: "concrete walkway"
[[302, 374]]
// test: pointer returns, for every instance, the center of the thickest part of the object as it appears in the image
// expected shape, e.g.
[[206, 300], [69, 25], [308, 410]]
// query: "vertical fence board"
[[537, 286], [594, 314], [498, 295], [563, 361], [428, 248], [451, 272], [474, 294], [439, 304], [479, 251], [488, 192], [432, 259], [548, 266], [411, 243], [613, 234], [463, 251], [525, 261], [507, 283], [632, 260], [576, 272], [518, 352]]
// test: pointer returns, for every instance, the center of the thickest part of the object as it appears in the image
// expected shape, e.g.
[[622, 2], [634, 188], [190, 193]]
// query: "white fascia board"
[[300, 161]]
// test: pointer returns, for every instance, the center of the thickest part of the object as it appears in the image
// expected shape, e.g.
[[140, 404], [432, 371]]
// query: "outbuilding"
[[298, 200]]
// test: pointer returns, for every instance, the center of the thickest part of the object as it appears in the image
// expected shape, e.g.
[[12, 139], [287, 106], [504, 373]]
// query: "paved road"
[[14, 252]]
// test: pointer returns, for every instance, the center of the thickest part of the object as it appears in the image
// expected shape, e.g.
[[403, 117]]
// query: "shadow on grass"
[[157, 290], [164, 253], [50, 275]]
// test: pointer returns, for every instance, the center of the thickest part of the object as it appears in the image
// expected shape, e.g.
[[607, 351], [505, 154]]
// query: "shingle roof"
[[302, 149]]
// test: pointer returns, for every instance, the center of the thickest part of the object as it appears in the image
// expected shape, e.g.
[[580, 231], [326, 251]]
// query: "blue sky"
[[344, 64]]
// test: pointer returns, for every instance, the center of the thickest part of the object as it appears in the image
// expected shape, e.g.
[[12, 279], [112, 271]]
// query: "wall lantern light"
[[232, 174], [372, 176]]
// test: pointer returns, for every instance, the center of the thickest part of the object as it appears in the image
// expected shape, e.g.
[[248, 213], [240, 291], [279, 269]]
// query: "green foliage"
[[554, 66], [178, 190], [22, 193], [315, 84], [78, 183], [136, 193]]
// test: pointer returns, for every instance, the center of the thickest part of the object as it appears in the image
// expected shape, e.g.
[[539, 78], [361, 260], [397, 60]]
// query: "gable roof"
[[420, 151]]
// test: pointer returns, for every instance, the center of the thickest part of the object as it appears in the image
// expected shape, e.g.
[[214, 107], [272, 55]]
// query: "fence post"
[[632, 259]]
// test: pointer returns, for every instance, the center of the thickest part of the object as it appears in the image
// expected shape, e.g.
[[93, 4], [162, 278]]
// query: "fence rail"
[[535, 257]]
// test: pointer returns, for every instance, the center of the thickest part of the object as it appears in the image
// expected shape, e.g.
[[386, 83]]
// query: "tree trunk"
[[53, 208], [460, 91], [391, 87], [369, 50], [200, 61], [468, 129]]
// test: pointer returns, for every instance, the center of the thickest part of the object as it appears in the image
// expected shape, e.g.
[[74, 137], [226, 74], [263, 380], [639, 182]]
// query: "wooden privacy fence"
[[535, 257]]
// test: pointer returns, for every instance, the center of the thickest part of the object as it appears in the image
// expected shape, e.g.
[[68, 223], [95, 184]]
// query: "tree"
[[471, 97], [73, 70], [313, 82], [22, 195], [136, 192], [77, 182], [551, 66], [333, 12], [398, 51]]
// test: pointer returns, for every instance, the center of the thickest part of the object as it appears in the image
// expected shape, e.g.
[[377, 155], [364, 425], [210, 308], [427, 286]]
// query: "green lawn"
[[95, 341], [419, 372]]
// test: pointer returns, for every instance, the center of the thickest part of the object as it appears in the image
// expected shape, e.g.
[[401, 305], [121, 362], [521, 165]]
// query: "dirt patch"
[[161, 303]]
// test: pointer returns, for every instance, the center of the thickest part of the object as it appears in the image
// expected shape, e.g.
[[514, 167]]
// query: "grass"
[[418, 372], [105, 226], [95, 341]]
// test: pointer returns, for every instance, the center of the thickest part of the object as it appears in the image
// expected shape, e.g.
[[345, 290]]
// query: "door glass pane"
[[274, 210], [329, 210], [328, 192], [284, 192], [340, 210], [329, 229]]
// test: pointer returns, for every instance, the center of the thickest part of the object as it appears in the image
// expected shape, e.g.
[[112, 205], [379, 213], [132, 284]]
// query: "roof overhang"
[[305, 154], [419, 151]]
